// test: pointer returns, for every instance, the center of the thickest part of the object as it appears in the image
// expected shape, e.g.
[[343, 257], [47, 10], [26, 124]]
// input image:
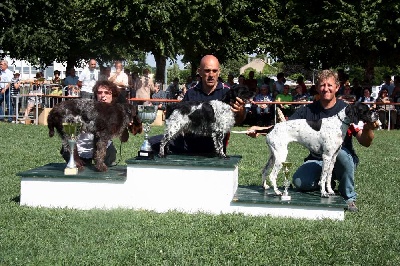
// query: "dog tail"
[[281, 116]]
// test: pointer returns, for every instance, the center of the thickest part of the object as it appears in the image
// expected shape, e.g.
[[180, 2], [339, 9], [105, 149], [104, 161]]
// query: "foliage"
[[309, 33]]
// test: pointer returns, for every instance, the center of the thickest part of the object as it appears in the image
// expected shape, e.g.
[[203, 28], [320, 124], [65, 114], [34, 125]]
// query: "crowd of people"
[[259, 111]]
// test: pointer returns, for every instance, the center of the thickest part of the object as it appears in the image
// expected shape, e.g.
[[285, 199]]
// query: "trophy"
[[72, 130], [147, 114], [286, 182]]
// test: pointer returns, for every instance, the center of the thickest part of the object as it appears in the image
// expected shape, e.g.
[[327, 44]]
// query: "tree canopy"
[[313, 33]]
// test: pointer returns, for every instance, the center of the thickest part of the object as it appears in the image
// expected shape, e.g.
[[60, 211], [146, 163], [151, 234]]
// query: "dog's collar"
[[341, 120]]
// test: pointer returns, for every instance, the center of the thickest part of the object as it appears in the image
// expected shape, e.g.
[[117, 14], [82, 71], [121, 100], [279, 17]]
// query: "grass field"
[[36, 236]]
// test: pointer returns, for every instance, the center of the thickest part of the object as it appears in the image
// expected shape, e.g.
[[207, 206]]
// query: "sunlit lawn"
[[38, 236]]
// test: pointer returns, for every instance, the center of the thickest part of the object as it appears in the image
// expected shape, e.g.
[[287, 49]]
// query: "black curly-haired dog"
[[214, 119], [104, 120]]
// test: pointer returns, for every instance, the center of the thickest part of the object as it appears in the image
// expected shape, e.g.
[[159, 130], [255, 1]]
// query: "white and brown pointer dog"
[[213, 118], [323, 137], [104, 120]]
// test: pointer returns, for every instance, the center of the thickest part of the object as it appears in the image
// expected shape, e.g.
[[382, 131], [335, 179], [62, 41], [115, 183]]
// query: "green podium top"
[[186, 160], [56, 170]]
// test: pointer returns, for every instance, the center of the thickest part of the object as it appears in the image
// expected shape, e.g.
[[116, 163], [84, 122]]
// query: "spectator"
[[56, 90], [277, 87], [135, 79], [300, 82], [105, 72], [189, 82], [119, 77], [387, 84], [396, 98], [285, 97], [173, 89], [33, 99], [356, 89], [251, 82], [367, 98], [241, 80], [299, 96], [14, 91], [262, 110], [347, 95], [5, 79], [56, 79], [71, 82], [144, 86], [230, 82], [159, 93], [208, 89], [87, 79], [384, 109]]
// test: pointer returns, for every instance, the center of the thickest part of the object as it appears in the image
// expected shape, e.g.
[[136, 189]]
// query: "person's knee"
[[307, 176]]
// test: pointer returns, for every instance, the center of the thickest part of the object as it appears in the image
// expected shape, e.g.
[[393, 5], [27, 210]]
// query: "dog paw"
[[161, 155], [101, 167], [324, 195], [277, 192], [265, 185], [331, 192]]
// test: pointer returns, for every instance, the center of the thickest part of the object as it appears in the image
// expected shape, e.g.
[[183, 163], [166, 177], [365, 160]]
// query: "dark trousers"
[[109, 160]]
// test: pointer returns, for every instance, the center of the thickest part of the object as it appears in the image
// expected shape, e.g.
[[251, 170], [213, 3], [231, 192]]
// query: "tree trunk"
[[161, 62], [71, 62], [369, 71]]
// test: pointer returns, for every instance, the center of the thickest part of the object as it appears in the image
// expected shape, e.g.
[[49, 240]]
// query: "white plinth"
[[189, 185]]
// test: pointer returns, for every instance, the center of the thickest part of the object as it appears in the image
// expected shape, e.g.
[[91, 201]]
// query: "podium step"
[[254, 200], [187, 184]]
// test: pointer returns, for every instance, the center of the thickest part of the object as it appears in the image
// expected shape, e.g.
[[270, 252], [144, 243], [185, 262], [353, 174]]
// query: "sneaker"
[[351, 207]]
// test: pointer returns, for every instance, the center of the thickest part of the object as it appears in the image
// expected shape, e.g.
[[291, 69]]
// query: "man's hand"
[[239, 110], [372, 125]]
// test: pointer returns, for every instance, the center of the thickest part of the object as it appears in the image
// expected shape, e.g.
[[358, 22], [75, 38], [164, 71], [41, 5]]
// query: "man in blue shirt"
[[208, 89]]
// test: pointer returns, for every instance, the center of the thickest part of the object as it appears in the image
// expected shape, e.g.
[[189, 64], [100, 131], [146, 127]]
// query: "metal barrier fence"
[[33, 96], [293, 103]]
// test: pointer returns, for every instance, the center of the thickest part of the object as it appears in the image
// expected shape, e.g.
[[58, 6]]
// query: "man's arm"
[[239, 111], [366, 135]]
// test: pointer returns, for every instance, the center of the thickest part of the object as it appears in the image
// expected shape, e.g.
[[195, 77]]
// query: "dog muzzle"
[[372, 117]]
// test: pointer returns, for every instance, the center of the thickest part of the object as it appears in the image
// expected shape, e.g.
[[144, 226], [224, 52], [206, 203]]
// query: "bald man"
[[208, 89]]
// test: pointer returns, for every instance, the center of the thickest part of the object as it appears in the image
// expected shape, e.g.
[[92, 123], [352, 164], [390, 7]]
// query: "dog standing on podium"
[[104, 120], [214, 119], [323, 137]]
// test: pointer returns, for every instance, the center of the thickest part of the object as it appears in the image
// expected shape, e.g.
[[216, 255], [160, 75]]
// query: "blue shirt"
[[197, 94]]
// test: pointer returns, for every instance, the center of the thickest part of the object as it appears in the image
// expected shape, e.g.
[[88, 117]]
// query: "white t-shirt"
[[84, 145], [88, 78], [6, 76]]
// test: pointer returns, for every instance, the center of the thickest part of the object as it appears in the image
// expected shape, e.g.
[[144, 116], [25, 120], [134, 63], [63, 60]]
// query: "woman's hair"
[[381, 92], [108, 84]]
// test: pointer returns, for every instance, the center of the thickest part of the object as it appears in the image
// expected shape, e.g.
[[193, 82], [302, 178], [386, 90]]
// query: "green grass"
[[38, 236]]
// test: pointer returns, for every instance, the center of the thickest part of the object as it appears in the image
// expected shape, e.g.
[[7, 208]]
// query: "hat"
[[16, 72]]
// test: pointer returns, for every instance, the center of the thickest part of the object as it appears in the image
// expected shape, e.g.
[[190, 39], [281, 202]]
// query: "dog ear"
[[351, 113], [124, 136], [230, 96], [203, 116]]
